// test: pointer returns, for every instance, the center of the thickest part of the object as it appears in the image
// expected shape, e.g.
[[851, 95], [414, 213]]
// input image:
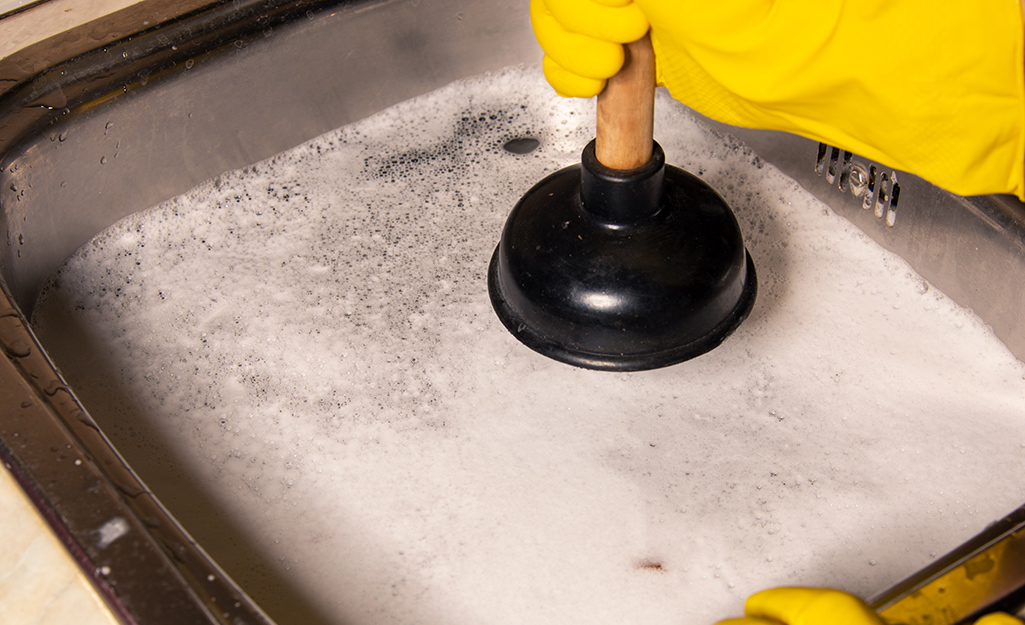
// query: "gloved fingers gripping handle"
[[577, 54]]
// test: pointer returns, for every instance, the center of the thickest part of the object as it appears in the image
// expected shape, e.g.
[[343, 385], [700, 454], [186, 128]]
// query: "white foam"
[[308, 345]]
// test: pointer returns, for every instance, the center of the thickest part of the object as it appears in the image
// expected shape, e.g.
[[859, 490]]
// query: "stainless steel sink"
[[120, 128]]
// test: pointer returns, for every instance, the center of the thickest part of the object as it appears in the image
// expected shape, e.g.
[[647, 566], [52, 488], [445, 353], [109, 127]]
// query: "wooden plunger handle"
[[626, 110]]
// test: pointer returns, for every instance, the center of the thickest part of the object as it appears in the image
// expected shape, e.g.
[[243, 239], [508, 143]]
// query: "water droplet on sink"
[[19, 348]]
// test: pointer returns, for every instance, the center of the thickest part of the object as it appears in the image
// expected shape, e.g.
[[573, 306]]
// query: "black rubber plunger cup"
[[622, 263]]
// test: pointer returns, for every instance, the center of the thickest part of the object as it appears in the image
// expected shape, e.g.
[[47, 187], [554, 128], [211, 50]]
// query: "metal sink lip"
[[154, 572], [35, 104]]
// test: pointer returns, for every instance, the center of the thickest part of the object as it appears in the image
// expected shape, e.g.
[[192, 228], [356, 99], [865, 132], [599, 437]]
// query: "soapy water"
[[300, 359]]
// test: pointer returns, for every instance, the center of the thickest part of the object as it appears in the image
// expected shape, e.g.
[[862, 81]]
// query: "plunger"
[[622, 262]]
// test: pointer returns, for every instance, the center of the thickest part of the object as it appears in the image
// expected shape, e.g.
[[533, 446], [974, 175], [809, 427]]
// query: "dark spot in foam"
[[457, 153], [521, 145]]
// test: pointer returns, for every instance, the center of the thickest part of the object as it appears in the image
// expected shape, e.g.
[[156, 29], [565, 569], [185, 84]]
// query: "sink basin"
[[101, 136]]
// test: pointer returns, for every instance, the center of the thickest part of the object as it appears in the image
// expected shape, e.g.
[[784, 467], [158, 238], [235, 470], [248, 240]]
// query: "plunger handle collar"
[[626, 110], [621, 197]]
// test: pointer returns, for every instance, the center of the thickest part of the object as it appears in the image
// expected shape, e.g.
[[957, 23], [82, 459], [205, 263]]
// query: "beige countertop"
[[39, 582], [57, 30]]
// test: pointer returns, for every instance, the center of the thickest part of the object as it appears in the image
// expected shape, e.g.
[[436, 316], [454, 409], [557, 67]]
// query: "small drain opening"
[[522, 145]]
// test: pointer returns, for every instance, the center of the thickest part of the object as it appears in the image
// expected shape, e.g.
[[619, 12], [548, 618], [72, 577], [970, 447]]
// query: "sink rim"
[[175, 563]]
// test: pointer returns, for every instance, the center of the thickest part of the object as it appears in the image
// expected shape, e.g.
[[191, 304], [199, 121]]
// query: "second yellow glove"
[[805, 606], [822, 606]]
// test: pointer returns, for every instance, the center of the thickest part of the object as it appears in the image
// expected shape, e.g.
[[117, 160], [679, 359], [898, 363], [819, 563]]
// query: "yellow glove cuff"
[[939, 93]]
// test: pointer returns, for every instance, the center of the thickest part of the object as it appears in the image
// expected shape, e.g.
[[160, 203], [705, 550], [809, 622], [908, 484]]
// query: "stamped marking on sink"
[[875, 185]]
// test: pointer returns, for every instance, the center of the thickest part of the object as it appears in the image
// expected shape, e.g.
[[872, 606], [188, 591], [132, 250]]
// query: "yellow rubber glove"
[[936, 91], [998, 618], [582, 41], [805, 606], [821, 606]]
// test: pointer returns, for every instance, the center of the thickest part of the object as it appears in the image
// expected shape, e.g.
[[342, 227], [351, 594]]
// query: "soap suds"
[[300, 359]]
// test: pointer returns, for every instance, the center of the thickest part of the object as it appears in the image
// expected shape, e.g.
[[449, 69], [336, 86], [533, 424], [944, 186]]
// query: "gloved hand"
[[936, 91], [998, 618], [804, 606], [821, 606]]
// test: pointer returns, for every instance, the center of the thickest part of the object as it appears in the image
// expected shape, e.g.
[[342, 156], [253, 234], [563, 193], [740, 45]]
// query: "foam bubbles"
[[301, 360]]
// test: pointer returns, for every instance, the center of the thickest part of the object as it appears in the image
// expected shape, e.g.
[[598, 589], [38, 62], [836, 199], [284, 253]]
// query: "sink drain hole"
[[522, 145]]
